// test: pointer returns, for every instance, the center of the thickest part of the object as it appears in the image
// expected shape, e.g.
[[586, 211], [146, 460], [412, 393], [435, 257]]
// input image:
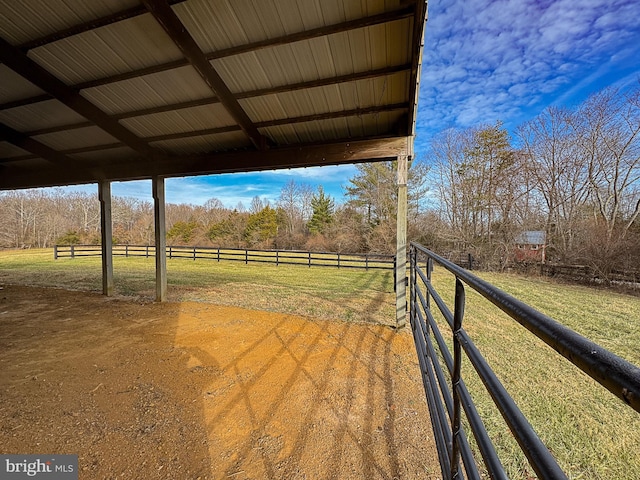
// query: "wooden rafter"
[[391, 16], [87, 26], [27, 143], [40, 150], [357, 112], [170, 22], [240, 96], [417, 47], [17, 61], [275, 158]]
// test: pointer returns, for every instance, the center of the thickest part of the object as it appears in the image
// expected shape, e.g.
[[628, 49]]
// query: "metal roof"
[[121, 89], [532, 237]]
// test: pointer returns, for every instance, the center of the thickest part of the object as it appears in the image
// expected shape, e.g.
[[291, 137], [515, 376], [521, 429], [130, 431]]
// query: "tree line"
[[301, 218], [573, 173]]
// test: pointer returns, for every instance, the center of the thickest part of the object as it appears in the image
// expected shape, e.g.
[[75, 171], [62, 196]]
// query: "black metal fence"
[[277, 257], [447, 395]]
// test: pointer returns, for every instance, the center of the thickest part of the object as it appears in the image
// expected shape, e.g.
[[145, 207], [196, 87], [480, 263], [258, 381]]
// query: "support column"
[[401, 244], [106, 234], [160, 238]]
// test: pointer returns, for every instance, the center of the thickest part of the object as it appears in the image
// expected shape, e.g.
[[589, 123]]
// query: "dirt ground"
[[199, 391]]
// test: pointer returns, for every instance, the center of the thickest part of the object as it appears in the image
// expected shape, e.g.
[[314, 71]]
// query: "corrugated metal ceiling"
[[140, 78]]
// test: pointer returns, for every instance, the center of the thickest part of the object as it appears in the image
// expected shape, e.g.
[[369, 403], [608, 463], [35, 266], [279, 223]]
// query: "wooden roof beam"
[[352, 77], [40, 150], [167, 18], [336, 153], [235, 128], [17, 61], [417, 47], [399, 14], [87, 26]]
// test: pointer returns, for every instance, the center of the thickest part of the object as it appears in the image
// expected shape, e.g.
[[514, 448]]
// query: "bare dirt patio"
[[196, 390]]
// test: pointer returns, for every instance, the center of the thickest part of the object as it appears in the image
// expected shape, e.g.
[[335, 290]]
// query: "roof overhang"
[[122, 90]]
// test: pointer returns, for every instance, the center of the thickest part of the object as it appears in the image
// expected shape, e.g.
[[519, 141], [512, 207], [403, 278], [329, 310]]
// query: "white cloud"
[[486, 60]]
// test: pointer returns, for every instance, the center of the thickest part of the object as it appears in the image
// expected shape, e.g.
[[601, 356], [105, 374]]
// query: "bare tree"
[[607, 128], [479, 179], [559, 174]]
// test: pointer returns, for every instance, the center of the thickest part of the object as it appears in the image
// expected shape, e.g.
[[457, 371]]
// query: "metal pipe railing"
[[614, 373]]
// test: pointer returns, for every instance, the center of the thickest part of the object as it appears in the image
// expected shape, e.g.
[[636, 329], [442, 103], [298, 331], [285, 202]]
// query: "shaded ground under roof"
[[194, 390]]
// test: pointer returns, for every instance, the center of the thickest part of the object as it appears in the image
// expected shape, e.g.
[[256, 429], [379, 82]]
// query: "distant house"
[[530, 246]]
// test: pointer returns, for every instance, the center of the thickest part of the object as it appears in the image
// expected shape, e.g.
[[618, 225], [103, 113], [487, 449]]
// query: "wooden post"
[[106, 234], [401, 244], [157, 185]]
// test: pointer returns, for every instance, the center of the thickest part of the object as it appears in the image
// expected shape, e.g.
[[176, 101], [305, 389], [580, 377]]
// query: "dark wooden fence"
[[277, 257], [587, 274]]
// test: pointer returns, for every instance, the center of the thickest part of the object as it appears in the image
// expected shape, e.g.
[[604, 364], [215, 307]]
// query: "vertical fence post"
[[429, 270], [194, 254], [73, 253], [277, 258], [412, 285], [170, 252], [218, 253], [309, 259], [246, 257], [55, 252], [147, 252], [366, 261], [126, 250], [455, 378]]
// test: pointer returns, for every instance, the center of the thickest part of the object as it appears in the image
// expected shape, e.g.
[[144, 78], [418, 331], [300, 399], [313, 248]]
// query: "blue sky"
[[483, 61]]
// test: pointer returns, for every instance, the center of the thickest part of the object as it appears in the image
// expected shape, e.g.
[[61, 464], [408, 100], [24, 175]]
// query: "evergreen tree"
[[262, 227], [322, 216]]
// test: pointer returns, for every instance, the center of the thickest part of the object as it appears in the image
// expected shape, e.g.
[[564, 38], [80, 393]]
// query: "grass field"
[[348, 294], [593, 434]]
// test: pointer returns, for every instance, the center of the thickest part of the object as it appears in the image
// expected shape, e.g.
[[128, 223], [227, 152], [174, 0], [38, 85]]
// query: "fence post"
[[194, 254], [55, 252], [455, 378], [366, 263], [277, 257], [412, 285], [429, 270], [309, 259], [338, 259], [218, 253], [147, 251], [73, 253], [246, 257], [126, 250], [170, 252]]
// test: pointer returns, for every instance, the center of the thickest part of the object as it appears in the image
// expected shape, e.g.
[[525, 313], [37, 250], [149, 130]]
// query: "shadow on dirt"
[[196, 390]]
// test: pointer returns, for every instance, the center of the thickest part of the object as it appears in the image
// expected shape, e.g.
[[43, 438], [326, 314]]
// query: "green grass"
[[347, 294], [592, 433]]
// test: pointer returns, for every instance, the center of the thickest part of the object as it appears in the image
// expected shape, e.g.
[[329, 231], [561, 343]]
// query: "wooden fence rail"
[[587, 274], [278, 257]]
